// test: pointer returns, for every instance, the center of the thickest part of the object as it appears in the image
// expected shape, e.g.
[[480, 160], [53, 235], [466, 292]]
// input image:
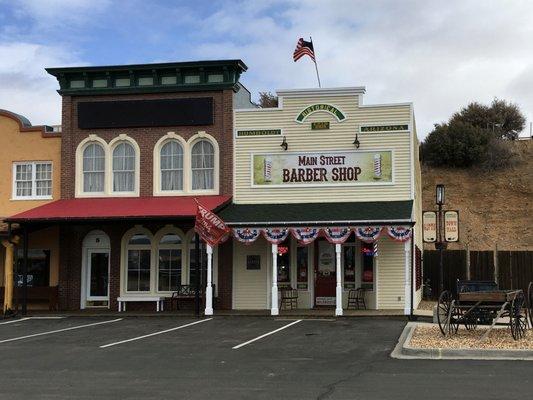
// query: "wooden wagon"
[[480, 302]]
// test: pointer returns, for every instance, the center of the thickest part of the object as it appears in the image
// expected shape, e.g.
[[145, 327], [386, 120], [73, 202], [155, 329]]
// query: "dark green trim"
[[229, 69], [147, 89], [318, 213], [239, 64]]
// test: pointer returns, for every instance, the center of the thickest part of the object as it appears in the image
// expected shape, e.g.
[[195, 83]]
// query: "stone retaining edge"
[[403, 350]]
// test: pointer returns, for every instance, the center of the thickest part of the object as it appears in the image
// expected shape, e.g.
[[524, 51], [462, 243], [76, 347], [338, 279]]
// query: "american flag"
[[304, 48]]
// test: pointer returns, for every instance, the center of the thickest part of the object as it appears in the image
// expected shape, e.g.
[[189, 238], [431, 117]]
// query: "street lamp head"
[[439, 194]]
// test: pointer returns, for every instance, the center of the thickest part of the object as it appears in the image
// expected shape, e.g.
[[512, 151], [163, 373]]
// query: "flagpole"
[[316, 65]]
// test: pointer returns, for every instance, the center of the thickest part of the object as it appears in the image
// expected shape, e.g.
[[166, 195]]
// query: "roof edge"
[[26, 126], [340, 91]]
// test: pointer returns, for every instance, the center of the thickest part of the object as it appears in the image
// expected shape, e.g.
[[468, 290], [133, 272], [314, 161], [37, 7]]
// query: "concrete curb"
[[403, 350]]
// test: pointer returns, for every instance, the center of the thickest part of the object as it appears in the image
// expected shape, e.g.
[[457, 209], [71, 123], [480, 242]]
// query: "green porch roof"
[[375, 212]]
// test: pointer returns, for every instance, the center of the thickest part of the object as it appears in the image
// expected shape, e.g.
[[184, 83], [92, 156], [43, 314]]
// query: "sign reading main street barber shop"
[[325, 168]]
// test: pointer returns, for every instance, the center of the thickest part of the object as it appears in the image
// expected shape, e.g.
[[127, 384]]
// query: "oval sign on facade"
[[429, 222], [320, 107], [451, 226]]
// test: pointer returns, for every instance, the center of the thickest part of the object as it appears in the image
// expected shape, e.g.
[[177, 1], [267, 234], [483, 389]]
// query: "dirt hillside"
[[495, 208]]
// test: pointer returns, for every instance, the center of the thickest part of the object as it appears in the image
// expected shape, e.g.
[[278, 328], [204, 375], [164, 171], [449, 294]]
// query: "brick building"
[[139, 144]]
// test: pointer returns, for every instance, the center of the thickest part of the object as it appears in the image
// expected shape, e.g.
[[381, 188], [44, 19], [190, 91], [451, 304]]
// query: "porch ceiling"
[[318, 213]]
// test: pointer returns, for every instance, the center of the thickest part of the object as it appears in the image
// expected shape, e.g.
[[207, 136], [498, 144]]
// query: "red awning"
[[120, 208]]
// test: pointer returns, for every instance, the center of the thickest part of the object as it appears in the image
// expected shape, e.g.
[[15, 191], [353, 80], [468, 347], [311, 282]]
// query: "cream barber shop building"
[[326, 208]]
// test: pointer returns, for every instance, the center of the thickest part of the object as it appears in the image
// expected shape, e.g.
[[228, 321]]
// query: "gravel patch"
[[428, 337]]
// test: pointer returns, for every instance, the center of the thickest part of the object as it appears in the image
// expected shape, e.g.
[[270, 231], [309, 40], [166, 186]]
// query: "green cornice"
[[229, 69]]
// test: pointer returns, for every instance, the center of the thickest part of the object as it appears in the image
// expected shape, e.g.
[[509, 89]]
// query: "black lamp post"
[[440, 243]]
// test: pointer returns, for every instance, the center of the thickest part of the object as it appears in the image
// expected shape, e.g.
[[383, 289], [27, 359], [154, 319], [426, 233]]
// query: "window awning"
[[308, 214], [119, 208]]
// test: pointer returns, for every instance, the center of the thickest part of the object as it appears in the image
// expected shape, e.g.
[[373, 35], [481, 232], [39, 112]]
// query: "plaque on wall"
[[253, 262]]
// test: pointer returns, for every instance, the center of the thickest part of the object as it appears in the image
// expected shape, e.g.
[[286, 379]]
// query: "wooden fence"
[[510, 269]]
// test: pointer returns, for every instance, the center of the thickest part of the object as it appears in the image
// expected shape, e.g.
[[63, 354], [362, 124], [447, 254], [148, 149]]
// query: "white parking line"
[[266, 334], [155, 333], [14, 320], [59, 330]]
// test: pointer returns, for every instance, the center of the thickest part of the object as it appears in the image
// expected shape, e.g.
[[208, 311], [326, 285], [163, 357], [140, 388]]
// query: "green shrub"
[[456, 144]]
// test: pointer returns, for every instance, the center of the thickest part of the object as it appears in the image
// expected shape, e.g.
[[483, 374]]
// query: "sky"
[[440, 55]]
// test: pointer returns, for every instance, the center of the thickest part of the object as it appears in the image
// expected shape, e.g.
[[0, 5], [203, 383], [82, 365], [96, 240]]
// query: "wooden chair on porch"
[[356, 299], [289, 298]]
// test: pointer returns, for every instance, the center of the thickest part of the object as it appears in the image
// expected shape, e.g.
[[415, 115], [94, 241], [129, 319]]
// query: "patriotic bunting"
[[246, 235], [305, 235], [399, 233], [337, 235], [367, 234], [275, 235]]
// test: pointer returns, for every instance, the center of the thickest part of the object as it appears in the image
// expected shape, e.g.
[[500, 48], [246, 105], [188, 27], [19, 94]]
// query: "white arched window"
[[138, 251], [124, 168], [203, 165], [171, 166], [93, 168], [170, 256]]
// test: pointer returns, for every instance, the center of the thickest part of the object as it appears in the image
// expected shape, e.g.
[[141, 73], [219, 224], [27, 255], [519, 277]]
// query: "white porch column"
[[338, 292], [407, 293], [274, 310], [209, 288]]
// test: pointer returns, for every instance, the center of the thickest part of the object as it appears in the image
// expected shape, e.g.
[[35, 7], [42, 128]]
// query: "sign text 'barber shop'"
[[328, 168]]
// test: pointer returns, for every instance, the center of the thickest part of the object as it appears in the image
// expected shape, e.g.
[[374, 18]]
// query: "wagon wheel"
[[470, 320], [446, 315], [530, 303], [517, 320]]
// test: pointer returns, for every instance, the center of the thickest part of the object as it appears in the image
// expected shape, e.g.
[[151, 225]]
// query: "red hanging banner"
[[209, 226]]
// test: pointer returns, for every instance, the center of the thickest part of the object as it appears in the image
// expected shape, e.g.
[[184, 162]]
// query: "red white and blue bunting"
[[368, 234], [246, 235], [337, 235], [305, 235], [399, 233], [275, 235]]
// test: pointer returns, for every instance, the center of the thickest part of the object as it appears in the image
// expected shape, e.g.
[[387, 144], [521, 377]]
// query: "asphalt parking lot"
[[235, 358]]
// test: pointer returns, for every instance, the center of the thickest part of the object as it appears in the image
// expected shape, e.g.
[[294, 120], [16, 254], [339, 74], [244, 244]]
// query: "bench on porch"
[[187, 292], [122, 300]]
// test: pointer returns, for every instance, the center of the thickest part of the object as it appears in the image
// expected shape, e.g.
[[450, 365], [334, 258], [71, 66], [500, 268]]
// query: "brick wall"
[[71, 243], [71, 236], [221, 130]]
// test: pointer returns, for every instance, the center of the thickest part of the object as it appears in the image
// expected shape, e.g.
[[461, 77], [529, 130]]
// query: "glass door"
[[98, 275]]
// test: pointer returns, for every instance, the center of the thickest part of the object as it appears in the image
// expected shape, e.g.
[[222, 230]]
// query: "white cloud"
[[26, 87], [53, 13], [440, 55]]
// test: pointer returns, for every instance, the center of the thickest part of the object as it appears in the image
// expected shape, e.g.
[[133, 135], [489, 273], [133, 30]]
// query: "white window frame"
[[91, 139], [83, 170], [33, 195], [138, 230], [169, 230], [123, 170], [170, 136], [216, 166], [187, 165], [136, 175]]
